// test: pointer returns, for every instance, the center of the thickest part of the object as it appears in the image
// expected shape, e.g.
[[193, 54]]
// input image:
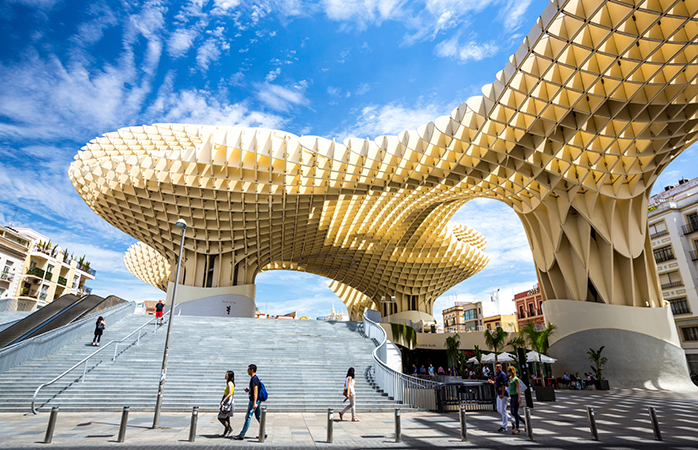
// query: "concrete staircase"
[[302, 364]]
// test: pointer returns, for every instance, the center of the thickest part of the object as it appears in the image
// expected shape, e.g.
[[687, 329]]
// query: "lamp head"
[[181, 224]]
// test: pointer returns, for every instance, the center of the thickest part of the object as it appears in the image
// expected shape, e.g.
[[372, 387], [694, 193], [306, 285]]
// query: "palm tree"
[[495, 340], [538, 339], [453, 349], [516, 343]]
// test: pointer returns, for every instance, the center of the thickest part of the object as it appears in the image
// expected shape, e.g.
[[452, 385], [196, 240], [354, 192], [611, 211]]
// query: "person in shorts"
[[159, 309]]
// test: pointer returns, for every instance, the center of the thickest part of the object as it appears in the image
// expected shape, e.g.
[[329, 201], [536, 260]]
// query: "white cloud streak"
[[390, 119]]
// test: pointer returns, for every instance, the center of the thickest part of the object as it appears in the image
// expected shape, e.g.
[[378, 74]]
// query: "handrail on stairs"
[[86, 359], [413, 391]]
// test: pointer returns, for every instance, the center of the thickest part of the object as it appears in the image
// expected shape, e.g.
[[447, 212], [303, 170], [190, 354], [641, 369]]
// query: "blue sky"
[[73, 70]]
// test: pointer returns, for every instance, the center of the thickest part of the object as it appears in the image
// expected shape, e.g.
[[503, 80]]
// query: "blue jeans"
[[248, 417], [515, 410]]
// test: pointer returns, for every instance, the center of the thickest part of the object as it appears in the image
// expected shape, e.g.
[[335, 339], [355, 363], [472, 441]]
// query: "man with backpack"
[[258, 394]]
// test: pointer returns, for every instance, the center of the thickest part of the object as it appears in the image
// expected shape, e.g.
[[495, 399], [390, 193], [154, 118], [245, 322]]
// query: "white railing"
[[85, 360], [412, 391]]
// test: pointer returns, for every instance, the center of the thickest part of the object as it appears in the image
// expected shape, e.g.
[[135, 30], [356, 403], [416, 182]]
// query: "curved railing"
[[87, 359], [412, 391]]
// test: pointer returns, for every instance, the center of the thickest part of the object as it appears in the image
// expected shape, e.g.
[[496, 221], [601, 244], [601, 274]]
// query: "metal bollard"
[[592, 423], [329, 425], [463, 426], [529, 425], [192, 426], [122, 427], [655, 423], [398, 428], [51, 425], [262, 423]]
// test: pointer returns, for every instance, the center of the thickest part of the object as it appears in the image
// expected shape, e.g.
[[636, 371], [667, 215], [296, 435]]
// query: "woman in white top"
[[349, 392]]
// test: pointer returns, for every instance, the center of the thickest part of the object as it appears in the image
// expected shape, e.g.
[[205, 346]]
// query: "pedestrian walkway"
[[623, 422]]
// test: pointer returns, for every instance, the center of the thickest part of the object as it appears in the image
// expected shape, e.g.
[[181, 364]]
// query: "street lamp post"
[[182, 225]]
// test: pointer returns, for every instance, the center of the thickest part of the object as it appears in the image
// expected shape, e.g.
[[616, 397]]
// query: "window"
[[679, 305], [691, 223], [469, 315], [658, 229], [663, 254], [690, 333], [49, 272], [670, 280], [521, 312], [531, 310], [76, 280], [44, 291]]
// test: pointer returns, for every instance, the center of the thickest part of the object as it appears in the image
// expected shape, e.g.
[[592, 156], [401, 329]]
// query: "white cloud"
[[207, 53], [364, 12], [363, 89], [223, 6], [470, 50], [198, 106], [180, 42], [513, 13], [391, 119], [271, 76], [281, 98]]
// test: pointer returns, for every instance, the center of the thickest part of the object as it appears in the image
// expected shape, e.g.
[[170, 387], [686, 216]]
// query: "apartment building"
[[673, 225], [39, 272], [463, 317], [529, 309], [13, 251], [506, 322]]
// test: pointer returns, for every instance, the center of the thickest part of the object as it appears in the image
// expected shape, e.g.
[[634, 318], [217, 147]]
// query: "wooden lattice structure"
[[599, 98]]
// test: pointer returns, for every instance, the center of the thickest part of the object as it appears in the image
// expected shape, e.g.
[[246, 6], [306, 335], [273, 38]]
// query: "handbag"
[[228, 406], [344, 393]]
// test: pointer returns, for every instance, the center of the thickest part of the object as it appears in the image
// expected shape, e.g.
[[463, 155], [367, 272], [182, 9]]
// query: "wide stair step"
[[302, 364]]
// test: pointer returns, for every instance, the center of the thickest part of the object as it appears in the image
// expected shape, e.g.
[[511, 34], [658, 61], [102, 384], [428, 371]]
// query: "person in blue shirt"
[[253, 407], [501, 383]]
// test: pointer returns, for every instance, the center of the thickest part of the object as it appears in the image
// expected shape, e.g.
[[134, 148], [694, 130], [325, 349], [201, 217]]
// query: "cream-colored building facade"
[[571, 134], [13, 251], [463, 317], [45, 274], [673, 221]]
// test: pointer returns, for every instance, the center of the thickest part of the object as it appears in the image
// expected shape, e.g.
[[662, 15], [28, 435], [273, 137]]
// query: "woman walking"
[[227, 403], [515, 394], [349, 393], [99, 329]]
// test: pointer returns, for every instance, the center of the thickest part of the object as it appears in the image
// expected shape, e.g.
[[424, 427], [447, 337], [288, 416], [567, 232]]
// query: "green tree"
[[496, 340], [539, 340], [453, 349], [516, 343], [478, 354]]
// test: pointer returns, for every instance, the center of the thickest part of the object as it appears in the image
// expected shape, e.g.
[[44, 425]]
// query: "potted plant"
[[599, 361]]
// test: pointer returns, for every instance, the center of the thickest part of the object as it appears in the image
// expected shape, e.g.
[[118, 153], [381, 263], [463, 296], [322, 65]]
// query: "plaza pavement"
[[622, 419]]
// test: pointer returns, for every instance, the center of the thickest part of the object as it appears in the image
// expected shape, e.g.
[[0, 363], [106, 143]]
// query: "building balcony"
[[690, 227], [62, 281], [6, 276], [694, 255], [36, 272], [672, 285], [87, 269], [663, 255], [658, 234]]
